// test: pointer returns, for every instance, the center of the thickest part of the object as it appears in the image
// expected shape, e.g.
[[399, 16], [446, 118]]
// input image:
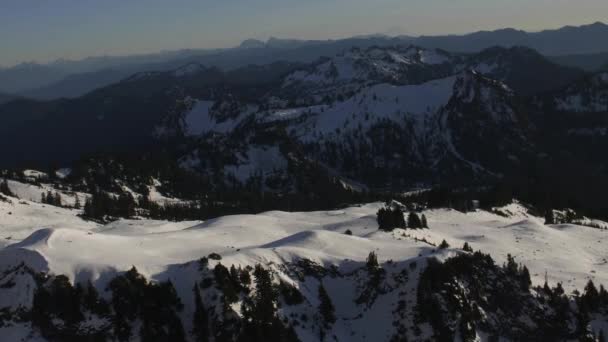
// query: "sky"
[[45, 30]]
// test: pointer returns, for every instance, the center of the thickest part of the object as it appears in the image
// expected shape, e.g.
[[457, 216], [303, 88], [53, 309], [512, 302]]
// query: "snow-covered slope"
[[568, 253], [438, 121], [587, 96], [56, 241]]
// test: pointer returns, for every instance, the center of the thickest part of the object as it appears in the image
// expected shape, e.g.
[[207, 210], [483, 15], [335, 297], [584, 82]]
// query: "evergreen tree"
[[467, 247], [413, 221], [50, 198], [326, 308], [549, 217], [57, 201], [389, 219], [399, 221], [444, 244], [93, 302], [384, 219], [125, 206], [225, 283], [200, 319], [4, 189], [372, 261], [424, 223], [524, 278]]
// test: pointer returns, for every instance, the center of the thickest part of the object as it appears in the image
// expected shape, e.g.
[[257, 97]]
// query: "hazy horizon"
[[73, 30]]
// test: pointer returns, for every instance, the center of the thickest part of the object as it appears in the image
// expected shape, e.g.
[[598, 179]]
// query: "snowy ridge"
[[368, 65], [279, 240], [319, 236], [589, 96], [420, 110]]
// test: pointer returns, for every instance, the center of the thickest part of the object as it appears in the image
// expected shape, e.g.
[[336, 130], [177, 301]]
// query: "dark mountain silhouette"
[[568, 40]]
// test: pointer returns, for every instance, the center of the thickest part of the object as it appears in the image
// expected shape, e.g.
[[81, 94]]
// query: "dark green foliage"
[[348, 232], [413, 221], [467, 247], [200, 320], [215, 256], [372, 261], [227, 282], [375, 277], [51, 199], [93, 302], [423, 221], [390, 218], [101, 205], [326, 307], [444, 244], [4, 189], [58, 299], [452, 309], [291, 295], [549, 217], [260, 320], [155, 304]]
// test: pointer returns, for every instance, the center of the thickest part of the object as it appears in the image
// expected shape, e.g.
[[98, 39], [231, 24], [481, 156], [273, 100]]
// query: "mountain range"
[[367, 189], [377, 117], [75, 78]]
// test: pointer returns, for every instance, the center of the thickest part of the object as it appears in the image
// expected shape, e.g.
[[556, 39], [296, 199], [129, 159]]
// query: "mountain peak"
[[252, 44], [188, 69]]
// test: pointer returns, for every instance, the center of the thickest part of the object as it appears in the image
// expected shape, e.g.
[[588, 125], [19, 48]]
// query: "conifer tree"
[[424, 223], [372, 261], [4, 189], [524, 276], [326, 308], [200, 321], [57, 200], [549, 217], [413, 221], [467, 247]]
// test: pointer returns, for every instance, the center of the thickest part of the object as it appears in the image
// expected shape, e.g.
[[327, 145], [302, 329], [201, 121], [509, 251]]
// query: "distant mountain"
[[28, 75], [564, 41], [588, 62], [34, 77], [75, 78], [523, 69], [428, 101], [4, 98], [74, 85]]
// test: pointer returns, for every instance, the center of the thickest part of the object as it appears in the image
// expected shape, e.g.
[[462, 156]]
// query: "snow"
[[433, 57], [34, 193], [382, 101], [68, 245], [486, 68], [359, 65], [55, 240], [188, 70], [200, 119], [63, 173], [20, 218], [595, 131], [35, 174], [258, 160]]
